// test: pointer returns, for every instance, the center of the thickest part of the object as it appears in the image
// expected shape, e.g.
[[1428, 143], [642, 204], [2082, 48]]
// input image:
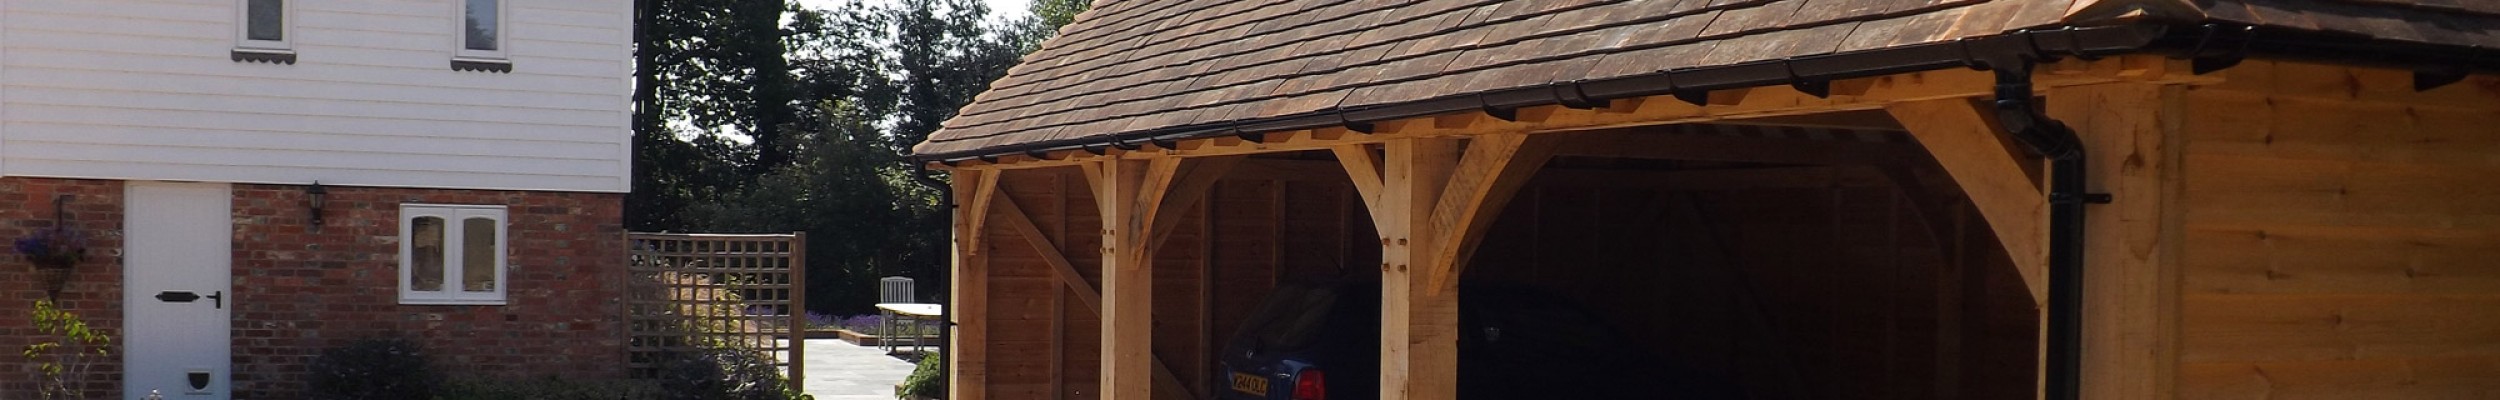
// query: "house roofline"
[[2212, 47]]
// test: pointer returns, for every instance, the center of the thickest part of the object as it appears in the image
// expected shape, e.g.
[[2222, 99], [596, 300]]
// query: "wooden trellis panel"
[[689, 293]]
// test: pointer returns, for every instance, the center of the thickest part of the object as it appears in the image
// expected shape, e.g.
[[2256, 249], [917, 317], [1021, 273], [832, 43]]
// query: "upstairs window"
[[481, 29], [452, 254], [263, 25]]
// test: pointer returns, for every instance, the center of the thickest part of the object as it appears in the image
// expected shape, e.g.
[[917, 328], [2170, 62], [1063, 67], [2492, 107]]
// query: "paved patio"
[[838, 370]]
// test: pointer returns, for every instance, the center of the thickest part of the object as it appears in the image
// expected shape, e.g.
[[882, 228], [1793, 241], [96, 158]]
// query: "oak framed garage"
[[2274, 205]]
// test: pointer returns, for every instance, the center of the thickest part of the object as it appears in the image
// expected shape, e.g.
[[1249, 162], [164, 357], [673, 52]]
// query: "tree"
[[777, 119], [708, 74], [946, 55], [1044, 22]]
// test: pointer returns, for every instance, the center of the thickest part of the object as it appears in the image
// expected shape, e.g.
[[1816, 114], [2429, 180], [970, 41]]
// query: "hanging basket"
[[53, 269], [53, 279]]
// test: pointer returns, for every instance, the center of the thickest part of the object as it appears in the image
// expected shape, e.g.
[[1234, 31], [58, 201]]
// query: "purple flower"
[[56, 245], [823, 320], [862, 323]]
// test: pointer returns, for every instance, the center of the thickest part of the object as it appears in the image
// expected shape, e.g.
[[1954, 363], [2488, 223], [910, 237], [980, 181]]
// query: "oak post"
[[1432, 202], [2132, 279], [971, 289], [1419, 328]]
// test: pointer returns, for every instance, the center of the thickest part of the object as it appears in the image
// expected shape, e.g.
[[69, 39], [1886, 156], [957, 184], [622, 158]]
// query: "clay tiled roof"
[[2451, 22], [1143, 65]]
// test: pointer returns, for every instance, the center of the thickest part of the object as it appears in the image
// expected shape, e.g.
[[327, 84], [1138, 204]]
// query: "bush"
[[923, 381], [65, 352], [549, 388], [389, 368], [724, 374]]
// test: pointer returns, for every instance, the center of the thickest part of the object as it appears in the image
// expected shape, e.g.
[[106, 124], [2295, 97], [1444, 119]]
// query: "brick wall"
[[94, 289], [299, 290]]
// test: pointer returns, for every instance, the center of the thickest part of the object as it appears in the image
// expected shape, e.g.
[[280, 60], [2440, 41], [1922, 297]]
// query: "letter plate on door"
[[170, 296], [177, 297]]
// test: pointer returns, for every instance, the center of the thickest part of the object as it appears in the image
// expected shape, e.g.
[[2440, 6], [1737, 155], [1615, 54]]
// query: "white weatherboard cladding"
[[145, 89]]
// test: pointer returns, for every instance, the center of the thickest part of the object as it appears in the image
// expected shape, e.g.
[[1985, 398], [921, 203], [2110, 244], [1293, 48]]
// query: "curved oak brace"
[[1140, 201], [1432, 202], [1963, 137], [1485, 180]]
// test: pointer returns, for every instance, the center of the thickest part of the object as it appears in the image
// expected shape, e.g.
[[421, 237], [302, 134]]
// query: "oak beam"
[[1755, 103], [1493, 169], [1650, 143], [1362, 165], [1129, 194], [1963, 137], [1195, 179], [2132, 277], [1419, 325], [1065, 271], [985, 188], [970, 360], [1702, 180], [1140, 202], [1432, 204], [1015, 218]]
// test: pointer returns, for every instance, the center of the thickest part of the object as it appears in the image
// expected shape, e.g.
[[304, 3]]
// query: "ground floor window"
[[451, 254]]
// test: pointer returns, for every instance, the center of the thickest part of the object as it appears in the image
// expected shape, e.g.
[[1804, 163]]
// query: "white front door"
[[177, 290]]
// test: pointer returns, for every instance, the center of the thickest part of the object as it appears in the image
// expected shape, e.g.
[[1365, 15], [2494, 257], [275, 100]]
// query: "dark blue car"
[[1312, 341]]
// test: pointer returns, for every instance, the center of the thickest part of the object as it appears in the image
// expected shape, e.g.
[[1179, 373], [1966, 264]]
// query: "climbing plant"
[[65, 352]]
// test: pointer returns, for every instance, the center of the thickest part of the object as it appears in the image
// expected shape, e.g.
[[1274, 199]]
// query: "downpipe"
[[2053, 140], [946, 297]]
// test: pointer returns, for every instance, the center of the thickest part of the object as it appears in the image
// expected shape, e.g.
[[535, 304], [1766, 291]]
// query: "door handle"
[[169, 296]]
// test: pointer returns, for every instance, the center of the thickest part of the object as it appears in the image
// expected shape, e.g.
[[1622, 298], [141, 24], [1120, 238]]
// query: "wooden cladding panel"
[[1263, 231], [2340, 238], [1795, 292]]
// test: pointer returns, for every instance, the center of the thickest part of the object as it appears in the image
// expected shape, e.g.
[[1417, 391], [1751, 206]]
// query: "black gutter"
[[946, 297], [1807, 72], [2050, 139]]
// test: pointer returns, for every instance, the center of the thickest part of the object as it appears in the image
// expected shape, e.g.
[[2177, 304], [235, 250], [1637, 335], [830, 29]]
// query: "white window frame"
[[243, 28], [460, 32], [455, 226]]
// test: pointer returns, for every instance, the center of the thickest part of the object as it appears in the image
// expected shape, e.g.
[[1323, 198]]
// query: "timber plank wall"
[[1031, 310], [2343, 237], [1814, 288]]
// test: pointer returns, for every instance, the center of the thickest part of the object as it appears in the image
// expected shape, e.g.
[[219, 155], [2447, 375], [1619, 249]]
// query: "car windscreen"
[[1289, 319]]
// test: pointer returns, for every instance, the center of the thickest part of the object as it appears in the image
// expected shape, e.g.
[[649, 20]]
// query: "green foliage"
[[387, 368], [1047, 17], [924, 380], [748, 127], [65, 352], [548, 388], [723, 373]]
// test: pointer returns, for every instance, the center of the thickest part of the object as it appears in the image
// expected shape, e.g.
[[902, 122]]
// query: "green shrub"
[[724, 374], [389, 368], [65, 352], [924, 380], [549, 388]]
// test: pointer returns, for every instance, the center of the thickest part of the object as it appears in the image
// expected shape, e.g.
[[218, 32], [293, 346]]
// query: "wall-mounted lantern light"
[[319, 198]]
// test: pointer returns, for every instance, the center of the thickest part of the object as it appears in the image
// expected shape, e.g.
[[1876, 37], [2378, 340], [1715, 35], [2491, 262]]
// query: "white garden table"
[[913, 311]]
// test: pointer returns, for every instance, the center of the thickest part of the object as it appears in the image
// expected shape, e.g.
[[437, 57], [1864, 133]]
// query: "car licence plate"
[[1253, 384]]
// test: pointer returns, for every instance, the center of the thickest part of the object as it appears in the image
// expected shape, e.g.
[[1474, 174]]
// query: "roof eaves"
[[2092, 41], [2110, 12], [2212, 45]]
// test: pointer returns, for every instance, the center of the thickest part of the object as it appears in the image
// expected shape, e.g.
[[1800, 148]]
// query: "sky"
[[1000, 9]]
